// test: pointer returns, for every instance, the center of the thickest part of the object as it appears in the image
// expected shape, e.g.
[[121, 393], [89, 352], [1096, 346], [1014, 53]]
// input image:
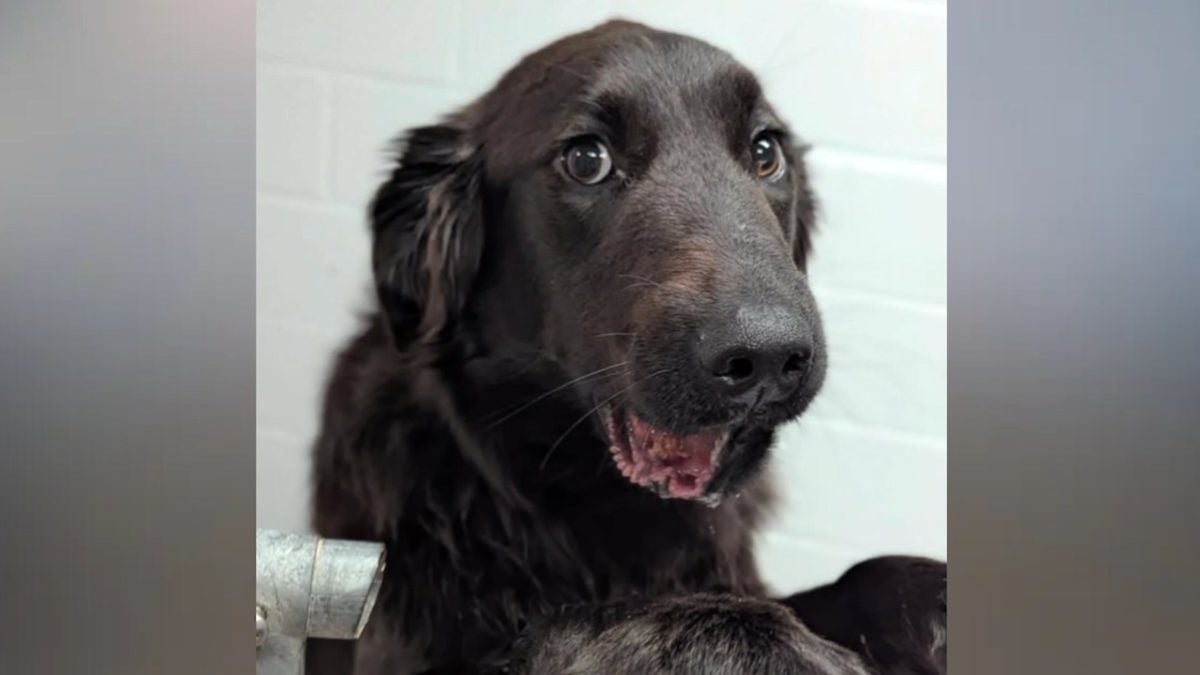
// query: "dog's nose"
[[762, 355]]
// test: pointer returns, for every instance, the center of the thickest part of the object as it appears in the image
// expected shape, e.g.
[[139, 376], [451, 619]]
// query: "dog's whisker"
[[589, 413], [604, 335], [643, 280], [544, 395], [639, 285], [667, 286], [541, 356], [577, 422]]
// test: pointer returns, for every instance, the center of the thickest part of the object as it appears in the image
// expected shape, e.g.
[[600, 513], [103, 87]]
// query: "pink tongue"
[[684, 464]]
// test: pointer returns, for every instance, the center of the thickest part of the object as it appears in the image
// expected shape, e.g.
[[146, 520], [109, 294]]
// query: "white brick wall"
[[863, 80]]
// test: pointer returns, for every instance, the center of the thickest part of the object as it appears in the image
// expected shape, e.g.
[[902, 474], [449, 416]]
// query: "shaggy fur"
[[526, 322]]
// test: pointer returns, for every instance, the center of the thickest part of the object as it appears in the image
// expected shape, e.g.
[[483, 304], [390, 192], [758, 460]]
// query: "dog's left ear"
[[805, 209], [427, 224]]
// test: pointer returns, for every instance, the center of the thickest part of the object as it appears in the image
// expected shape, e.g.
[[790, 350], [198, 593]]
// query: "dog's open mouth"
[[672, 465]]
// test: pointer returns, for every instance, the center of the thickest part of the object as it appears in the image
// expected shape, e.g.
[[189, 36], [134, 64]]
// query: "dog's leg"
[[889, 610], [701, 634]]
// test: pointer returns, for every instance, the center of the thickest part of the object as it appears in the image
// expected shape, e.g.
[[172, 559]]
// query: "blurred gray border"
[[1074, 378], [126, 336]]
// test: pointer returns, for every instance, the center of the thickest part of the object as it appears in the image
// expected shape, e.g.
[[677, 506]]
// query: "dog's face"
[[626, 201]]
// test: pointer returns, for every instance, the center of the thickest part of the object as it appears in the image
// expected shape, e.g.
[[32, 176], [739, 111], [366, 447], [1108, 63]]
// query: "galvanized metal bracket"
[[307, 586]]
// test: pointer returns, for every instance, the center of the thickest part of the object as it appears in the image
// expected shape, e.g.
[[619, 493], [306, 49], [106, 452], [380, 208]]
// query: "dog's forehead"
[[652, 77], [664, 63], [626, 57], [674, 77], [682, 91]]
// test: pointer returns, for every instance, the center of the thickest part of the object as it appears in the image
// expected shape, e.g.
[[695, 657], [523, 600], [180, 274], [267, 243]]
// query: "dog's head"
[[626, 201]]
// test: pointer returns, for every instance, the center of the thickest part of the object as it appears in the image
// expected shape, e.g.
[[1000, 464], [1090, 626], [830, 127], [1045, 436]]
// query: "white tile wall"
[[863, 80], [291, 130], [406, 40]]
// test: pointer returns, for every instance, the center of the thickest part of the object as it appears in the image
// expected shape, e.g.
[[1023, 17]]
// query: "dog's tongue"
[[681, 465]]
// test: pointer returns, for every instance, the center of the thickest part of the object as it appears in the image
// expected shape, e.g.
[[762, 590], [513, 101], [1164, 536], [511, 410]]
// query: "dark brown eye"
[[587, 161], [769, 162]]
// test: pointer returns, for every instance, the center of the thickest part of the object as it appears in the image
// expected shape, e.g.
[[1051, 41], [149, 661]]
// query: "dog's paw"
[[891, 610], [696, 635]]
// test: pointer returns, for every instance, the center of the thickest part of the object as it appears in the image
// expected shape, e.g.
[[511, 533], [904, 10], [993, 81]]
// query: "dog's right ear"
[[426, 221]]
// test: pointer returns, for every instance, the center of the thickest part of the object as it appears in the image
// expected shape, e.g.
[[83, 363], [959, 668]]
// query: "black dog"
[[593, 314]]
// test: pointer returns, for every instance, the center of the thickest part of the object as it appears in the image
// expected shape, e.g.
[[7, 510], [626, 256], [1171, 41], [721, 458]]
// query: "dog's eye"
[[587, 161], [769, 162]]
